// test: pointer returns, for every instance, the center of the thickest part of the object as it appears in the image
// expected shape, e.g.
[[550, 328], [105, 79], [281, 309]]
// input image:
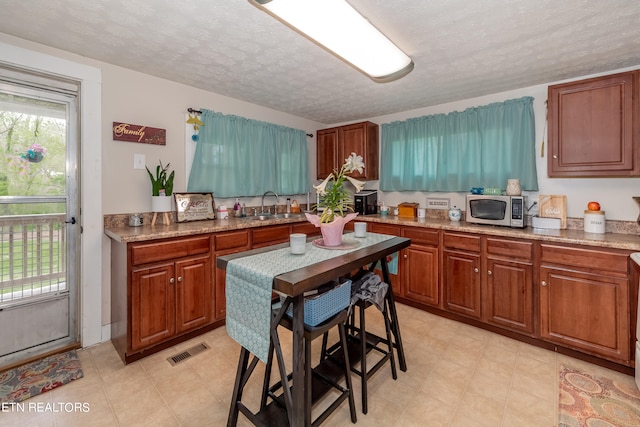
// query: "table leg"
[[395, 327], [238, 387], [301, 399]]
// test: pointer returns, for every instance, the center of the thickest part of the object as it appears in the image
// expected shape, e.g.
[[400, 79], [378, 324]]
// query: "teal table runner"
[[249, 285]]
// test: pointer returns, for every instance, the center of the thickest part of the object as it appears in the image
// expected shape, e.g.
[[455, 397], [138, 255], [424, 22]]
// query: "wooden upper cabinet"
[[593, 127], [334, 145], [326, 152]]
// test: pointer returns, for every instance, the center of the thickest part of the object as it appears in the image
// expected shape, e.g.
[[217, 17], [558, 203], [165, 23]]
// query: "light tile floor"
[[457, 375]]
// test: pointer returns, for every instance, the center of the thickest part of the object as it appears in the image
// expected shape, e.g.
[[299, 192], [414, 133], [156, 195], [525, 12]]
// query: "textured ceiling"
[[461, 48]]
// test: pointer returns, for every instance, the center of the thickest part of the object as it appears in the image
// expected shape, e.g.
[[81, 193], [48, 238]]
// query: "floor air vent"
[[174, 360]]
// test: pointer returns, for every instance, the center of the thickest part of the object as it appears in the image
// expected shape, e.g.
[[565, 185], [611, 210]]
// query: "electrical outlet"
[[438, 203], [139, 161]]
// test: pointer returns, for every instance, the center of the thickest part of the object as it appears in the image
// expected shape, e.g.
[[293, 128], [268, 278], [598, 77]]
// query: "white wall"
[[614, 194]]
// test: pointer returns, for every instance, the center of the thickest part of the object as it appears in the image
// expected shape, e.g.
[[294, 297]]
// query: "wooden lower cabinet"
[[461, 274], [306, 228], [507, 292], [153, 305], [226, 243], [161, 290], [170, 299], [269, 235], [420, 266], [394, 260], [584, 301]]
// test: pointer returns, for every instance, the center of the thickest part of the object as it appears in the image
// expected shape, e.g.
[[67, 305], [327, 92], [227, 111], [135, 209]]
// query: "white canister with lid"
[[594, 222], [455, 214], [223, 213]]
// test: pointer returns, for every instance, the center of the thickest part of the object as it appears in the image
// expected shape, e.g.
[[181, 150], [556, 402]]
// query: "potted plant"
[[336, 201], [161, 188]]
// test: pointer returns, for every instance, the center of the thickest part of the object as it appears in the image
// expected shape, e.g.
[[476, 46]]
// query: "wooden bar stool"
[[321, 378], [362, 343]]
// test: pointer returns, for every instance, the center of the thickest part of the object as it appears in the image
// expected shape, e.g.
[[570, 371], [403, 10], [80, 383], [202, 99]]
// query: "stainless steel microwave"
[[508, 211]]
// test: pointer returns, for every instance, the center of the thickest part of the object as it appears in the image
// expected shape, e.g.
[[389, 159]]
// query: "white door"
[[39, 214]]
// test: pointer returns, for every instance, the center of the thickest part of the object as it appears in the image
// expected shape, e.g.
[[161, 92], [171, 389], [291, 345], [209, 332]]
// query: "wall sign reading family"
[[136, 133], [194, 206]]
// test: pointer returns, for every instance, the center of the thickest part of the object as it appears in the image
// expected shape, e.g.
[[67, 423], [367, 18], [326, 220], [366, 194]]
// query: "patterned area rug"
[[38, 377], [594, 401]]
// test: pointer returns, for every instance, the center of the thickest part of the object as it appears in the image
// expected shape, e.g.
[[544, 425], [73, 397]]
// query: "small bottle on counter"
[[243, 211], [288, 205], [236, 208]]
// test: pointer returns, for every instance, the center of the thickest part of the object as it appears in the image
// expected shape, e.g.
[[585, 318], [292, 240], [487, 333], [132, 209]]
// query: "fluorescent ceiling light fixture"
[[339, 28]]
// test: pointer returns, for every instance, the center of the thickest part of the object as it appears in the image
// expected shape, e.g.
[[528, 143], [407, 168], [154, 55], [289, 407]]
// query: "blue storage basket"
[[318, 308]]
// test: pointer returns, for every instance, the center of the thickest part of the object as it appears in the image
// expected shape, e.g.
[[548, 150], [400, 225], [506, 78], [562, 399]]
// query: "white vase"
[[513, 187], [161, 203]]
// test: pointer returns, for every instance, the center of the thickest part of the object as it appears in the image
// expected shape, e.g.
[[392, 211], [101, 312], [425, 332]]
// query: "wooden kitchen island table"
[[296, 275]]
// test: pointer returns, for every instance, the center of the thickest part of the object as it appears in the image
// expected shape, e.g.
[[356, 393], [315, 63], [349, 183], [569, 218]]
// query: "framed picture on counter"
[[194, 206]]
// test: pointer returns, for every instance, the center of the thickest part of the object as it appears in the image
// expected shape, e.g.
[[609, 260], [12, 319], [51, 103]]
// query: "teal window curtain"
[[237, 157], [479, 147]]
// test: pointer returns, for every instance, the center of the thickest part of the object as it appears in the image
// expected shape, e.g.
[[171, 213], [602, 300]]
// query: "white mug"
[[422, 213], [298, 243], [360, 229]]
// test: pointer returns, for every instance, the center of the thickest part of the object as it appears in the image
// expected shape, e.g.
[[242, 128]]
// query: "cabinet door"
[[362, 139], [393, 260], [585, 311], [226, 243], [152, 305], [591, 129], [462, 282], [508, 295], [194, 293], [420, 274], [326, 152]]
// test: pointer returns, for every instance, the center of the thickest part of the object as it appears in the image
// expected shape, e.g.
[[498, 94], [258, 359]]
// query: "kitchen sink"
[[266, 216]]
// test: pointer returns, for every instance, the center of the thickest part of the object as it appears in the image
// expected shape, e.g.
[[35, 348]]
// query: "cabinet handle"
[[555, 156], [179, 278], [476, 269], [489, 272], [172, 280], [544, 283], [406, 256]]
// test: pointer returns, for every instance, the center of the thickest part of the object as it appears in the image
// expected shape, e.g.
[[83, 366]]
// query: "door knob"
[[544, 283], [406, 256], [179, 278], [489, 272], [172, 280], [476, 269]]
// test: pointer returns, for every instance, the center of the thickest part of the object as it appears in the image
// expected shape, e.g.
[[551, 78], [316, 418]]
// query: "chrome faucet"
[[275, 206]]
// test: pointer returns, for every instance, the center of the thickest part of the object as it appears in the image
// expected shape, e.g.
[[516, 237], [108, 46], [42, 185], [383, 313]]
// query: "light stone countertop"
[[608, 240]]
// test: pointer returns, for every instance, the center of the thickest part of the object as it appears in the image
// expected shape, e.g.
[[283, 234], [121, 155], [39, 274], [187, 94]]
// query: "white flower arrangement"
[[334, 197]]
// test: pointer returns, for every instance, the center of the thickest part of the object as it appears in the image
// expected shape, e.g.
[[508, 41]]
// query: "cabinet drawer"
[[462, 241], [510, 248], [376, 227], [305, 228], [143, 253], [421, 236], [270, 234], [596, 259], [235, 239]]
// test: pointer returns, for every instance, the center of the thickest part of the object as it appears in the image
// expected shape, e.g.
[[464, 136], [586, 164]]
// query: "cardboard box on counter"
[[409, 210]]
